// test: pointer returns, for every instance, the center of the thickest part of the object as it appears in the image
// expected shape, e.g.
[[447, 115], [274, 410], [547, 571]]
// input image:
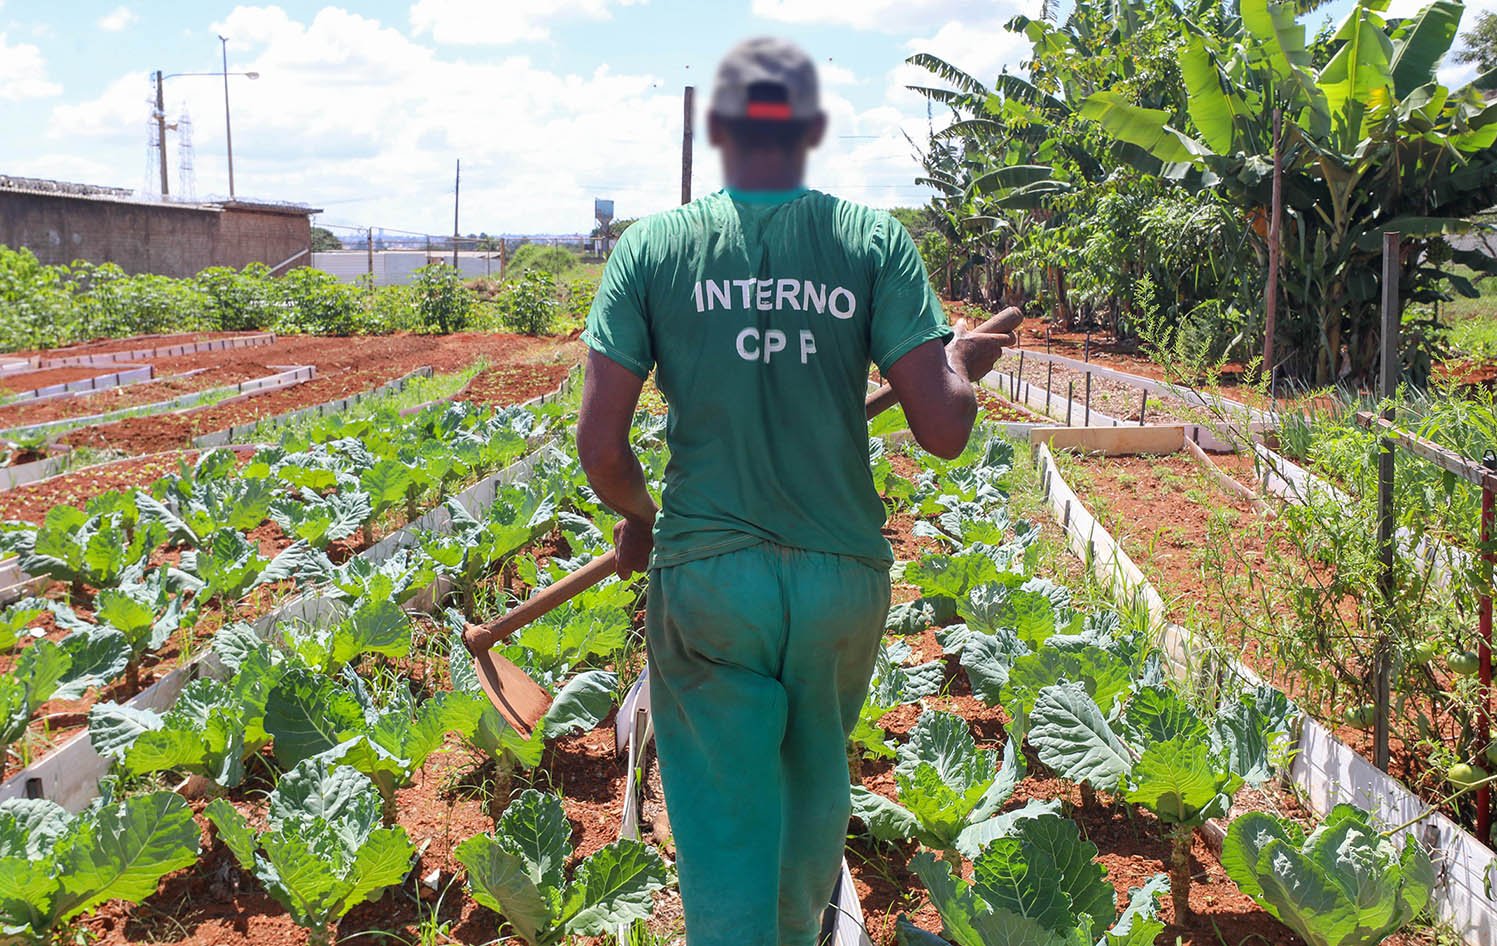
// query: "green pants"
[[759, 664]]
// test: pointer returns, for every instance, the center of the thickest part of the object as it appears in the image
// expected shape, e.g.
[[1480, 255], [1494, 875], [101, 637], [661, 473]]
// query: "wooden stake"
[[1088, 421], [1143, 404], [1070, 400], [1387, 387]]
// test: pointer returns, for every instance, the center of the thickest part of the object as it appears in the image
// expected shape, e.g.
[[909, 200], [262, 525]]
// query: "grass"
[[1473, 322], [417, 391]]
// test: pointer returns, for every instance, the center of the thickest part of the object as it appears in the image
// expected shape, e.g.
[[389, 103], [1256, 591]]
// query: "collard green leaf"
[[885, 820], [500, 880], [123, 851], [1344, 885], [233, 830], [308, 713], [613, 887], [1138, 924], [1181, 782], [535, 828], [95, 658], [582, 703], [951, 576], [1072, 738]]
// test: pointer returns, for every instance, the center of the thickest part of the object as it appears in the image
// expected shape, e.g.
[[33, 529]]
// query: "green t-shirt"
[[762, 313]]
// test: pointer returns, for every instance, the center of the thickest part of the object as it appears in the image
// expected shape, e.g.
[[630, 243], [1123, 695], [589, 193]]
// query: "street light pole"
[[228, 129], [161, 132]]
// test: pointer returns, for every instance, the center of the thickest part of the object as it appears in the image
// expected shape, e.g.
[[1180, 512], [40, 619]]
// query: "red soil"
[[344, 367]]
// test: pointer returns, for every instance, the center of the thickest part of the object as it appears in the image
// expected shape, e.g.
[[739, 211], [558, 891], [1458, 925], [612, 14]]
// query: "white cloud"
[[507, 21], [889, 16], [354, 116], [117, 19], [982, 50], [23, 73]]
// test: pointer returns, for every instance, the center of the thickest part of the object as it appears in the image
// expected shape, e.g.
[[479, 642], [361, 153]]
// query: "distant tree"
[[1481, 43], [616, 228], [323, 240], [917, 220]]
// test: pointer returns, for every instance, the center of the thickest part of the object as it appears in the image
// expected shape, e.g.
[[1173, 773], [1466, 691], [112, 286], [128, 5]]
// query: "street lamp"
[[228, 131]]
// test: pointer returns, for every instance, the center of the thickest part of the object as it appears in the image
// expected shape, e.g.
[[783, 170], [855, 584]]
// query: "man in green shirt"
[[760, 308]]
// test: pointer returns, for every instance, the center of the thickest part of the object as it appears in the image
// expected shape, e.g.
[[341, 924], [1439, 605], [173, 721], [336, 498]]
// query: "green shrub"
[[316, 303], [391, 309], [238, 300], [443, 303], [549, 259], [114, 304], [529, 306], [35, 301]]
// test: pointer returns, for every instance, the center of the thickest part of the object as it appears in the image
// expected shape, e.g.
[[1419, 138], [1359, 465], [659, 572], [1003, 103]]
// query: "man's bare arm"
[[934, 385], [610, 394]]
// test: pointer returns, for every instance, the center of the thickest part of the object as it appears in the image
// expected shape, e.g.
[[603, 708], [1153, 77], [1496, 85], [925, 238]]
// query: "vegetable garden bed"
[[381, 718], [314, 517], [1328, 769]]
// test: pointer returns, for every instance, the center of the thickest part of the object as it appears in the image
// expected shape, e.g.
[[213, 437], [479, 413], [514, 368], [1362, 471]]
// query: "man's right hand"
[[974, 355]]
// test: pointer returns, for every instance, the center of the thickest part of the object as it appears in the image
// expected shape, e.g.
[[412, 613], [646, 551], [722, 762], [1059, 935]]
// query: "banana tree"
[[1372, 142]]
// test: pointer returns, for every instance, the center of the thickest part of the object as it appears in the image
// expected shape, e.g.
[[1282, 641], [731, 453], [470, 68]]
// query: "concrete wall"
[[140, 237], [398, 267]]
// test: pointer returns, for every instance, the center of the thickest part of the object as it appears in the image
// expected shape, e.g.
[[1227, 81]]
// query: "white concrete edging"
[[104, 359], [283, 379], [85, 386]]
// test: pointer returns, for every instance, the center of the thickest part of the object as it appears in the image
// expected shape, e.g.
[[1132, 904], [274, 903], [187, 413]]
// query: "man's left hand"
[[634, 540]]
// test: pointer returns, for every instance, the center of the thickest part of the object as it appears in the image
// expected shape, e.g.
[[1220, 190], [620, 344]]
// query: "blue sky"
[[362, 108]]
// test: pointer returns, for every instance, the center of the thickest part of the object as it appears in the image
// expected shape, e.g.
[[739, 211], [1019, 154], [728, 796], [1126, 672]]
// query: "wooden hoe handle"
[[480, 638]]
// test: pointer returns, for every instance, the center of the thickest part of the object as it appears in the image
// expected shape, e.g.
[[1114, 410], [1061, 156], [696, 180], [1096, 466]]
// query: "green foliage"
[[322, 853], [537, 257], [316, 303], [529, 303], [444, 303], [56, 866], [323, 240], [238, 300], [518, 872], [949, 790], [1481, 43], [1344, 885], [1041, 886]]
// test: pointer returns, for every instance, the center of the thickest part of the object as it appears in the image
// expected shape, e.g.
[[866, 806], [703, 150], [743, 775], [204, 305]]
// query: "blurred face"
[[747, 141]]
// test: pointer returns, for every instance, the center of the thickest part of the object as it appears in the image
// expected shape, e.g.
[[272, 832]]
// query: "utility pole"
[[457, 181], [1271, 292], [686, 146], [161, 132], [228, 128]]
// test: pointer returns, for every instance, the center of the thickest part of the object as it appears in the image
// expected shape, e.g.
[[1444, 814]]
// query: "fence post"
[[1088, 421], [1070, 400], [1387, 387]]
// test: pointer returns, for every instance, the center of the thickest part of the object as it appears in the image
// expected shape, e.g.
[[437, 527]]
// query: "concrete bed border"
[[1326, 771], [106, 359], [289, 376], [70, 773], [85, 386]]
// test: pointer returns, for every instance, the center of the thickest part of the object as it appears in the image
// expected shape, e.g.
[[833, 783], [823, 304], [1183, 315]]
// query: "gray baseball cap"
[[766, 78]]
